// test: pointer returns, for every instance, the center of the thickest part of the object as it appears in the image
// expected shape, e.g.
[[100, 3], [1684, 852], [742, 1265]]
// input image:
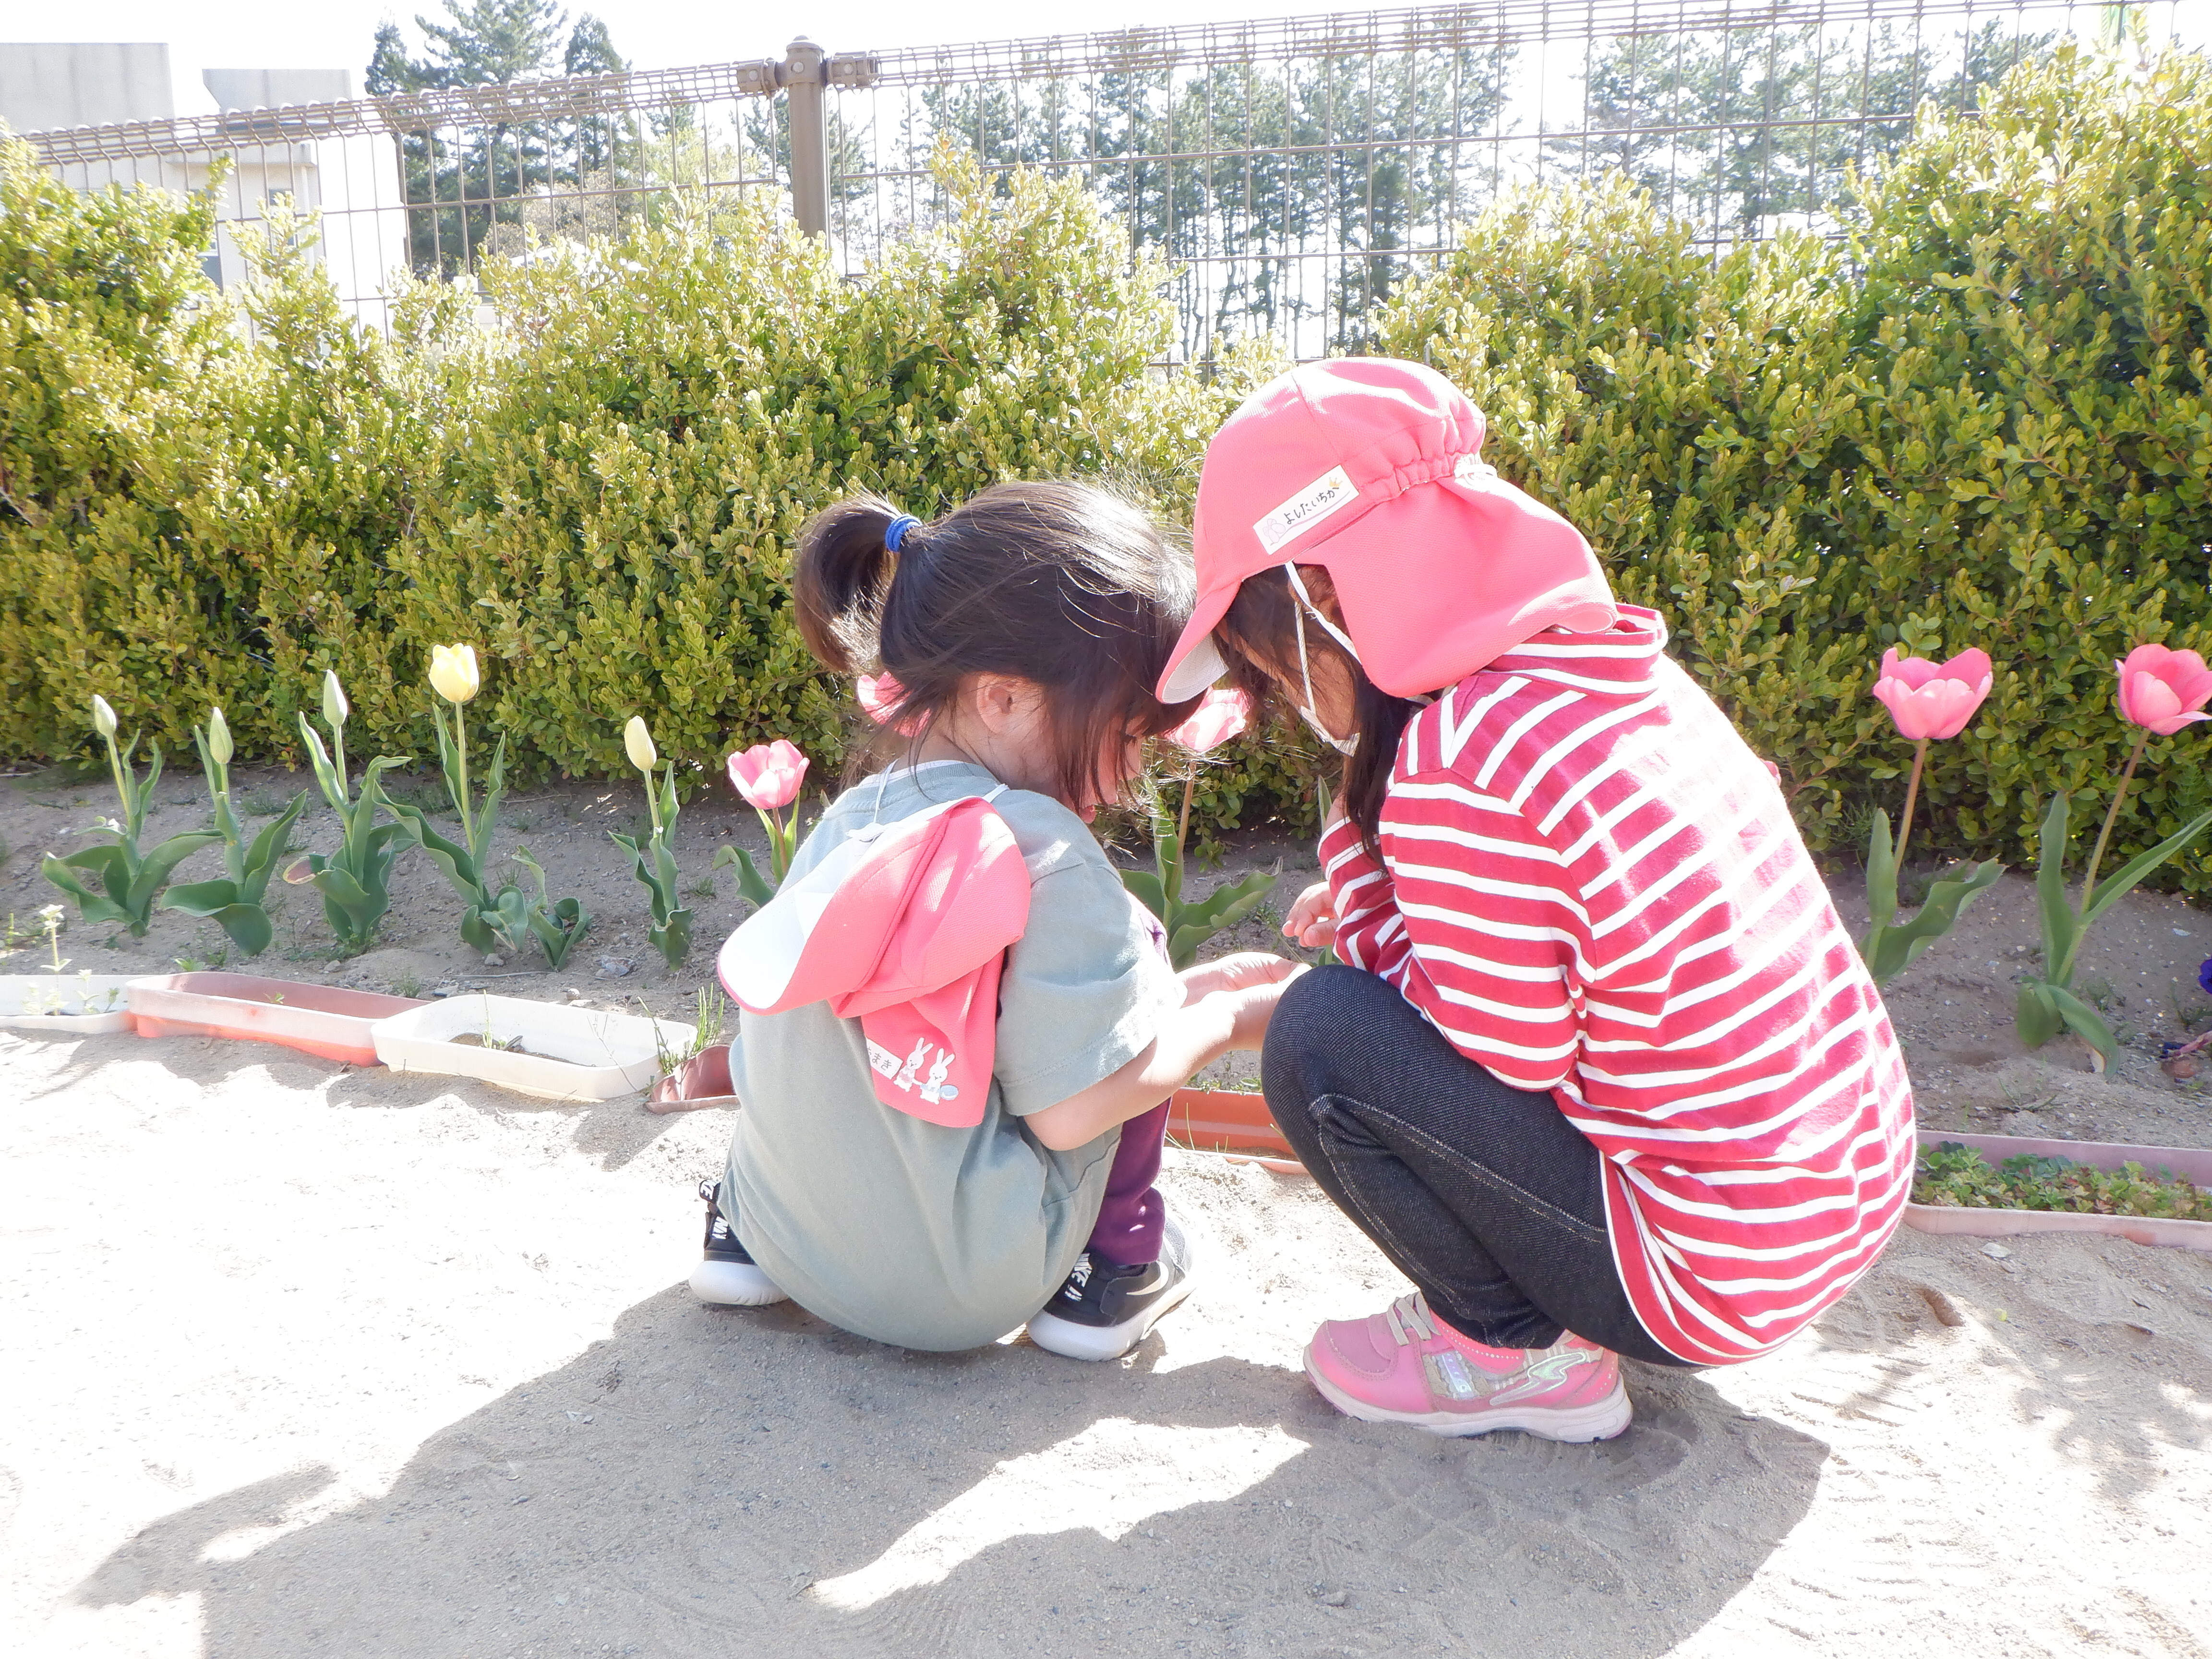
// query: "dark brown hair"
[[1259, 632], [1064, 585]]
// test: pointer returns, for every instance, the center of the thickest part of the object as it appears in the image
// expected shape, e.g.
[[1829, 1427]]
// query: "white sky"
[[652, 34]]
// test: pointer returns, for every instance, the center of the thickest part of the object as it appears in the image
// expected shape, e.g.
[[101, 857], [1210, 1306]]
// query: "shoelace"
[[1412, 1310]]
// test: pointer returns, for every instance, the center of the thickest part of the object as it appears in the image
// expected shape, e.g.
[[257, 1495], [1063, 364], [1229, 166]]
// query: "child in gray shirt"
[[1023, 632]]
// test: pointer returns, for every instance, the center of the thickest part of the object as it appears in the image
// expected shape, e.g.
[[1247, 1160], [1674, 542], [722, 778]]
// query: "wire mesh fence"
[[1295, 172]]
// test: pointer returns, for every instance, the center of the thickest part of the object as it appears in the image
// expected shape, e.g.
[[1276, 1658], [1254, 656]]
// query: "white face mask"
[[1301, 604]]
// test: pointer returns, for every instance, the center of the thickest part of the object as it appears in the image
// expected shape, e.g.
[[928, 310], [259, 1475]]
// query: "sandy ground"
[[303, 1360]]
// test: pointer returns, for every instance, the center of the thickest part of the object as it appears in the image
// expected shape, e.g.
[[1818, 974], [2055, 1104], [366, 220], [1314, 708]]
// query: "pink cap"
[[1372, 468]]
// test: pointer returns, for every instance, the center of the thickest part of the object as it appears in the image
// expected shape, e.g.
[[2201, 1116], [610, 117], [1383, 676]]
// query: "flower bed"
[[1232, 1121], [1996, 1186]]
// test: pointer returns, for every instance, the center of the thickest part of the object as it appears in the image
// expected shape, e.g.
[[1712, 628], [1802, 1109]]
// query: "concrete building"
[[87, 85], [352, 183]]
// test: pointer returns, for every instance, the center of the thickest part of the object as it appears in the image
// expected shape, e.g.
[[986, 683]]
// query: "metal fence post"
[[800, 77]]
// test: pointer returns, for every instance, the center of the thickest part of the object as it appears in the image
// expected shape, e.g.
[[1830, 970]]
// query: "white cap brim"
[[1201, 666]]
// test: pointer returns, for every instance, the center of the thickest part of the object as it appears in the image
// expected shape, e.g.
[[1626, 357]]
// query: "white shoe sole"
[[1574, 1425], [735, 1284], [1072, 1341]]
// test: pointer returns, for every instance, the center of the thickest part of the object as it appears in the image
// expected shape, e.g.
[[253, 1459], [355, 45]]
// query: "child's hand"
[[1234, 973], [1250, 984], [1312, 921]]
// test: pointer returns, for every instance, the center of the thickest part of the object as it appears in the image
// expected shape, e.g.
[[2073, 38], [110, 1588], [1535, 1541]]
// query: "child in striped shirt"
[[1603, 1073]]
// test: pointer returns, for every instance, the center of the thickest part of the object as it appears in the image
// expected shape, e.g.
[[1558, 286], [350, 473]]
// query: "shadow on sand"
[[707, 1478]]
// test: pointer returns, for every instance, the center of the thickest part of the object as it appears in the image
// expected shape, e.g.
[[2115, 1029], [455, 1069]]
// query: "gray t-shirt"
[[908, 1231]]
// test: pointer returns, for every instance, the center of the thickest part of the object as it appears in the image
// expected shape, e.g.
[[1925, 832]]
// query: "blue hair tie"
[[897, 532]]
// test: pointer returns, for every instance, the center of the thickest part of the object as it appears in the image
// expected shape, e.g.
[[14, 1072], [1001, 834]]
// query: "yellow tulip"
[[639, 742], [453, 671]]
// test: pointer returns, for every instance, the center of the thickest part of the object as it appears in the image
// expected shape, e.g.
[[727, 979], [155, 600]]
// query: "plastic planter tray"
[[2189, 1163], [316, 1019], [700, 1082], [90, 1005], [1227, 1120], [566, 1053]]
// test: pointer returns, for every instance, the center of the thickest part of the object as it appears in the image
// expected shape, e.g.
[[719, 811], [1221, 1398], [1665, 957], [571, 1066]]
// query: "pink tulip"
[[768, 774], [2164, 691], [1929, 701], [1220, 716]]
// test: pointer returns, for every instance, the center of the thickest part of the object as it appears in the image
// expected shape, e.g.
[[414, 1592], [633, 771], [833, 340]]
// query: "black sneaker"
[[1103, 1311], [726, 1274]]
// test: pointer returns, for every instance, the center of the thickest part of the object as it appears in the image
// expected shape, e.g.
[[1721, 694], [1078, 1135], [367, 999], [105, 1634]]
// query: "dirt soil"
[[304, 1359]]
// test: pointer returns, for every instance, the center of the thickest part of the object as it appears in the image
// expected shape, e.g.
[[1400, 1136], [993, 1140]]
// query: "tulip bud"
[[334, 708], [639, 742], [219, 738], [103, 717], [453, 671]]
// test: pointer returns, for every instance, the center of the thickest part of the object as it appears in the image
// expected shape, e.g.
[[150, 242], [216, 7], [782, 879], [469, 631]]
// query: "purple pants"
[[1133, 1213]]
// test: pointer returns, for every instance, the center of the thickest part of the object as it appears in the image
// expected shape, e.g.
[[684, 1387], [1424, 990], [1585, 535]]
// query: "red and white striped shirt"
[[1591, 886]]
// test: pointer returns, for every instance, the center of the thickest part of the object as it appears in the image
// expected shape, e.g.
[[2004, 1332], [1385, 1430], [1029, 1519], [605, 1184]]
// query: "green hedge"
[[1985, 422], [600, 491]]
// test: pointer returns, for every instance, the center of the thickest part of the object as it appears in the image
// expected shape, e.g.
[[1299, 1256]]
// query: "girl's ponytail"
[[839, 580]]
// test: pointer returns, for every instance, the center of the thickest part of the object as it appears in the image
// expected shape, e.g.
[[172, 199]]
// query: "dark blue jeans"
[[1484, 1195]]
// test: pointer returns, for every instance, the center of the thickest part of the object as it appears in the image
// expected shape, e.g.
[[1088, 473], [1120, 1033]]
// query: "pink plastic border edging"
[[2190, 1163], [315, 1019], [699, 1083]]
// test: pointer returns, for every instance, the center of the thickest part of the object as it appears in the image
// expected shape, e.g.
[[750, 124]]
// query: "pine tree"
[[591, 50], [461, 188], [493, 41], [1728, 128]]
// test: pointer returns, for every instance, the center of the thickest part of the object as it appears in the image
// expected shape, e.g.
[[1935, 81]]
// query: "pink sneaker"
[[1406, 1366]]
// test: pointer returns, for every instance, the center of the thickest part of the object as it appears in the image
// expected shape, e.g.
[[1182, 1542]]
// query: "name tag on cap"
[[1326, 495]]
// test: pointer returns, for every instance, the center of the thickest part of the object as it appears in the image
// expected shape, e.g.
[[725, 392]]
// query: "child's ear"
[[1003, 702]]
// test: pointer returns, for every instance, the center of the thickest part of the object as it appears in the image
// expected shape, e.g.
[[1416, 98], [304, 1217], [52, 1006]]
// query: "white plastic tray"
[[104, 994], [574, 1054]]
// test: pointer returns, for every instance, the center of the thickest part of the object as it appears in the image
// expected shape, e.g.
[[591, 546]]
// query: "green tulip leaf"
[[2084, 1022], [1149, 893], [1881, 880], [751, 884], [2060, 934], [1895, 946], [93, 907], [558, 929], [2120, 880], [2035, 1014]]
